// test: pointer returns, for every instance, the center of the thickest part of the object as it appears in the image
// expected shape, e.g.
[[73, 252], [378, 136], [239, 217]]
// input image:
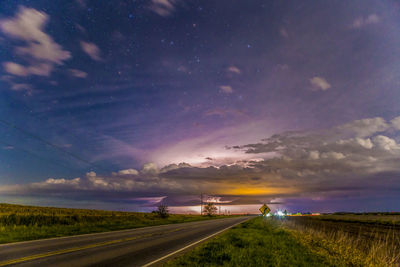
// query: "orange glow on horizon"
[[246, 190]]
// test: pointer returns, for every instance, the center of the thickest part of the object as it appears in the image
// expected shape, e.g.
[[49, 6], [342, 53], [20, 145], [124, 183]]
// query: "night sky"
[[125, 104]]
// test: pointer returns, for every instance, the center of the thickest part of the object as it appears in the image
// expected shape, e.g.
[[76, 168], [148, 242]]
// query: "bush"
[[162, 211], [210, 209]]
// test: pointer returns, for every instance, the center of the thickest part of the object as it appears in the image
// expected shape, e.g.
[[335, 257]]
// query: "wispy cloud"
[[363, 21], [319, 83], [234, 69], [78, 73], [40, 50], [163, 8], [92, 50], [227, 89]]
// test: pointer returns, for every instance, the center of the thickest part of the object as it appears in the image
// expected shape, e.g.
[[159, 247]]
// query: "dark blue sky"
[[113, 92]]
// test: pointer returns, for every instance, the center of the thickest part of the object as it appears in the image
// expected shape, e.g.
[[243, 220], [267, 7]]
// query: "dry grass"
[[341, 248], [364, 218]]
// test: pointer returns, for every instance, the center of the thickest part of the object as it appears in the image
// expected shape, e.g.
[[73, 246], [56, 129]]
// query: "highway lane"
[[135, 247]]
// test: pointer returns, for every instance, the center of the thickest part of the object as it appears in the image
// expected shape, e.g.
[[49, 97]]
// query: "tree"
[[162, 211], [210, 209]]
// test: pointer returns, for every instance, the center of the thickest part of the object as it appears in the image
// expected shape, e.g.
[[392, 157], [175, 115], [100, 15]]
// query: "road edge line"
[[192, 244]]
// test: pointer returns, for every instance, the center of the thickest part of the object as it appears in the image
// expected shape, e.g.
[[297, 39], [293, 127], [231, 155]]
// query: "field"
[[20, 223], [383, 218], [303, 241]]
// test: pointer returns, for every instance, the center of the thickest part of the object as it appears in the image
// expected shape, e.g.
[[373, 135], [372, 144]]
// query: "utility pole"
[[201, 204]]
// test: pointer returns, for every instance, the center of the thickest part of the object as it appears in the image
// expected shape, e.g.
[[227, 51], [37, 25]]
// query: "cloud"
[[324, 164], [128, 172], [92, 50], [365, 127], [40, 50], [40, 69], [78, 73], [164, 8], [314, 154], [319, 83], [233, 69], [396, 123], [385, 143], [21, 87], [364, 21], [365, 143], [227, 89], [17, 86]]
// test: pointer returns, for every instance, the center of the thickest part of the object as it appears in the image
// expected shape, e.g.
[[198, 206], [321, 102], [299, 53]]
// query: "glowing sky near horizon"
[[126, 104]]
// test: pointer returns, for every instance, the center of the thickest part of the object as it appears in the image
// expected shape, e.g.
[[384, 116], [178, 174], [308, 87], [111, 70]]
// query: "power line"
[[34, 136], [35, 155]]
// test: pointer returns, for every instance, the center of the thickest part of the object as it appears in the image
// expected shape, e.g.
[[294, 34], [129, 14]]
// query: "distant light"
[[280, 213]]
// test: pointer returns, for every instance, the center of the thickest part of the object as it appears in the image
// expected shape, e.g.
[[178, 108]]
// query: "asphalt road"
[[136, 247]]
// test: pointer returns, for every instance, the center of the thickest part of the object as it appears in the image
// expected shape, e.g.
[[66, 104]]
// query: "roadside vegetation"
[[20, 223], [258, 242], [353, 240], [276, 241], [383, 218]]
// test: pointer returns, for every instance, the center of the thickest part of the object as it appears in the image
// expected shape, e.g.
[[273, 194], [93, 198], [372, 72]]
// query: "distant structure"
[[201, 204]]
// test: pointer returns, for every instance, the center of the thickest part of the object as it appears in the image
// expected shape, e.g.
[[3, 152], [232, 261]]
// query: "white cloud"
[[365, 143], [313, 154], [40, 69], [128, 172], [396, 123], [227, 89], [15, 69], [385, 143], [234, 69], [92, 50], [78, 73], [41, 50], [150, 168], [21, 87], [17, 86], [365, 127], [74, 181], [319, 83], [333, 155], [163, 8], [363, 21]]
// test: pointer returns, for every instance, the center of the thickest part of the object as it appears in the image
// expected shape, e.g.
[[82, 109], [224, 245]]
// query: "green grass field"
[[20, 223]]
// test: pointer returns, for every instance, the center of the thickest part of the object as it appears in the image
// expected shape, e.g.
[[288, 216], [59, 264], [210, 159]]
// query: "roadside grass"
[[21, 223], [388, 219], [258, 242], [341, 248]]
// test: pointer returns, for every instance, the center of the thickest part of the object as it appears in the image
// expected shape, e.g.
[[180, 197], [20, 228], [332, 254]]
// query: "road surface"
[[148, 246]]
